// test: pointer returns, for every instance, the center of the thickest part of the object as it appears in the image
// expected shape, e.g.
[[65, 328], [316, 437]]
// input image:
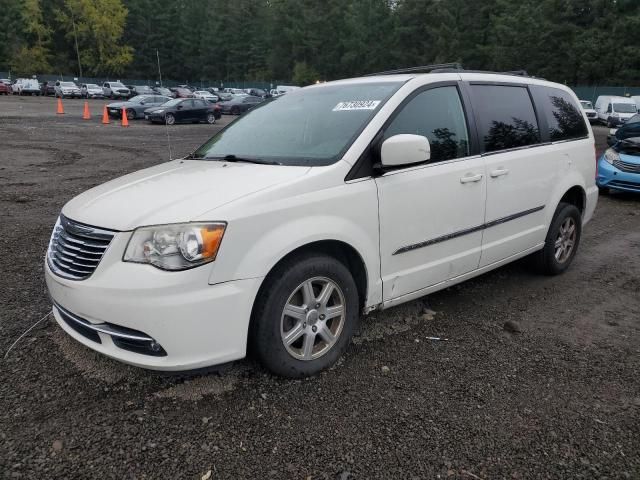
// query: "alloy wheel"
[[565, 240], [313, 318]]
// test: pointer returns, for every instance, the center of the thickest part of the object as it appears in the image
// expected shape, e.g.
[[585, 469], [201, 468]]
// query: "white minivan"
[[615, 111], [335, 200]]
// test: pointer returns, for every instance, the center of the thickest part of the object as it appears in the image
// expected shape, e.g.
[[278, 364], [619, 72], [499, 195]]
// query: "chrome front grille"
[[75, 249], [627, 166]]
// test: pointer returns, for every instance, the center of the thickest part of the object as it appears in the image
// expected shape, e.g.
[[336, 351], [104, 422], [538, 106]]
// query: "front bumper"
[[611, 177], [194, 323]]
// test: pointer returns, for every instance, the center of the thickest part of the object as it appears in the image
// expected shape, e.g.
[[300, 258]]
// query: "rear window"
[[506, 118], [564, 117]]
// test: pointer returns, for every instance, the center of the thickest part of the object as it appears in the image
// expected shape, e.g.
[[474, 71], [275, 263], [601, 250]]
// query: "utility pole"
[[75, 36], [159, 71]]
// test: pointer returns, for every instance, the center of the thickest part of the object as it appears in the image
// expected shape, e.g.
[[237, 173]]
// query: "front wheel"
[[131, 114], [562, 241], [305, 316], [169, 119]]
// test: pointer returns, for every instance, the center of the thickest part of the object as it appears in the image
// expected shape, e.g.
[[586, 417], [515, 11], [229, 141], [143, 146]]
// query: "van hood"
[[173, 192]]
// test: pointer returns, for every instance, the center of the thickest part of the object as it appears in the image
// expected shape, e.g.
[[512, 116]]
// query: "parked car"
[[258, 92], [67, 90], [205, 95], [91, 90], [224, 96], [615, 111], [26, 86], [136, 106], [5, 87], [181, 110], [630, 129], [141, 90], [619, 166], [48, 88], [165, 92], [589, 111], [336, 199], [239, 104], [182, 92], [115, 90]]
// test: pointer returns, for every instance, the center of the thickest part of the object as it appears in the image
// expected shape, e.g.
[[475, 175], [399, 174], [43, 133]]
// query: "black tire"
[[265, 334], [131, 114], [235, 110], [211, 118], [609, 123], [545, 261], [169, 119], [604, 190]]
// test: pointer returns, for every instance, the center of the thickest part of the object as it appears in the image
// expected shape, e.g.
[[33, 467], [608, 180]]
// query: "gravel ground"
[[560, 398]]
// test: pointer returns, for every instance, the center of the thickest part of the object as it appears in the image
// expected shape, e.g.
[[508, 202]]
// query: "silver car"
[[66, 89], [115, 90], [91, 90]]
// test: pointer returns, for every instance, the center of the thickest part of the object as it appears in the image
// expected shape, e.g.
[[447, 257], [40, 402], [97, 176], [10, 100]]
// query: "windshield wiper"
[[235, 158]]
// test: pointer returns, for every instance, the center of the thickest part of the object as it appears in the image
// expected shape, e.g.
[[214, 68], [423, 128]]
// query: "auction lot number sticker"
[[356, 105]]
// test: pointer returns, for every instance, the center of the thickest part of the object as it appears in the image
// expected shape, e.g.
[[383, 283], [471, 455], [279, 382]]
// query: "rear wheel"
[[235, 110], [305, 315], [562, 241], [211, 118]]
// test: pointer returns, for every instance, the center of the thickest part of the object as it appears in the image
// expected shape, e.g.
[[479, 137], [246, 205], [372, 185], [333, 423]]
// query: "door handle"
[[499, 172], [471, 178]]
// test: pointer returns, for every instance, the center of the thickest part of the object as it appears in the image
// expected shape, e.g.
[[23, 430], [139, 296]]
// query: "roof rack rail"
[[421, 69]]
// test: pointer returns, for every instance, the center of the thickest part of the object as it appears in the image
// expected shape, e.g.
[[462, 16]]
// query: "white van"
[[336, 200], [615, 111]]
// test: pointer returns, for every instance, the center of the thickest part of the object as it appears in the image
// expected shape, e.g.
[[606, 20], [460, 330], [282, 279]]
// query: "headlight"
[[610, 155], [175, 247]]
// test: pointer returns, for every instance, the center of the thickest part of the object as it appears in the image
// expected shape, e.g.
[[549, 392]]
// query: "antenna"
[[165, 121]]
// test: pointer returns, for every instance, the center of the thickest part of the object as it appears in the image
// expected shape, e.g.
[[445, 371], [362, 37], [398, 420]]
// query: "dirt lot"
[[560, 399]]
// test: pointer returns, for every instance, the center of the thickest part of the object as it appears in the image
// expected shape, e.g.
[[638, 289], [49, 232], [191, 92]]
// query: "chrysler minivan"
[[333, 201]]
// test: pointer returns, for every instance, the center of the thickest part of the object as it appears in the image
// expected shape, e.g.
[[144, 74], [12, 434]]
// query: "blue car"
[[619, 167]]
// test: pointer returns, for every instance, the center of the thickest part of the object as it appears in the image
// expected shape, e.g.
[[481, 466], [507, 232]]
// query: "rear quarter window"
[[505, 117], [563, 115]]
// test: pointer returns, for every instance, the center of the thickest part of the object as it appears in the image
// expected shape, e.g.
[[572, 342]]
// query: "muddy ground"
[[560, 399]]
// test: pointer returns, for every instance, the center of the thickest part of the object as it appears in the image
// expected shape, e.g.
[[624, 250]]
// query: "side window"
[[506, 118], [564, 117], [438, 115], [609, 108]]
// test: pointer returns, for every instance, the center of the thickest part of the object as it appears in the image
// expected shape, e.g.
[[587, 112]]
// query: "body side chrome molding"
[[467, 231]]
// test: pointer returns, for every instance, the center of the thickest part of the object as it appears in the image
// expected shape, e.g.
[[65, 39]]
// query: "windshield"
[[117, 85], [138, 98], [92, 85], [624, 108], [586, 105], [67, 84], [313, 126]]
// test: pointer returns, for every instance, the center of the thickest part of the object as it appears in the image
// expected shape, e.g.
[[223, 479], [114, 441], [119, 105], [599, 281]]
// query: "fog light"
[[155, 346]]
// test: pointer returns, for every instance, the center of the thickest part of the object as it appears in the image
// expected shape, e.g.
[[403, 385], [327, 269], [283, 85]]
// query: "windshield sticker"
[[356, 105]]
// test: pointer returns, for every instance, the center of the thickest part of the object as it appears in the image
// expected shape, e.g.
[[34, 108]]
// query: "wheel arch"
[[577, 196], [337, 249]]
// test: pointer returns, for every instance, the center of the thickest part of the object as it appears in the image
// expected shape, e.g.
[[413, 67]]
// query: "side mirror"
[[404, 149], [179, 107]]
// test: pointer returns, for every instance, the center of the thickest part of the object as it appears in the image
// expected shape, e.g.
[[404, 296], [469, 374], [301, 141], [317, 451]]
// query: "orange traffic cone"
[[105, 116], [60, 107], [86, 115], [125, 120]]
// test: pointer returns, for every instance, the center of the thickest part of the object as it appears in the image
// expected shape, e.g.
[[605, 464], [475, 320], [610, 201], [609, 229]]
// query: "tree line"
[[579, 42]]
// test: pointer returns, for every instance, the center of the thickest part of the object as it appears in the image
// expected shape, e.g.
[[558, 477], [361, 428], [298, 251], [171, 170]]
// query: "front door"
[[431, 215]]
